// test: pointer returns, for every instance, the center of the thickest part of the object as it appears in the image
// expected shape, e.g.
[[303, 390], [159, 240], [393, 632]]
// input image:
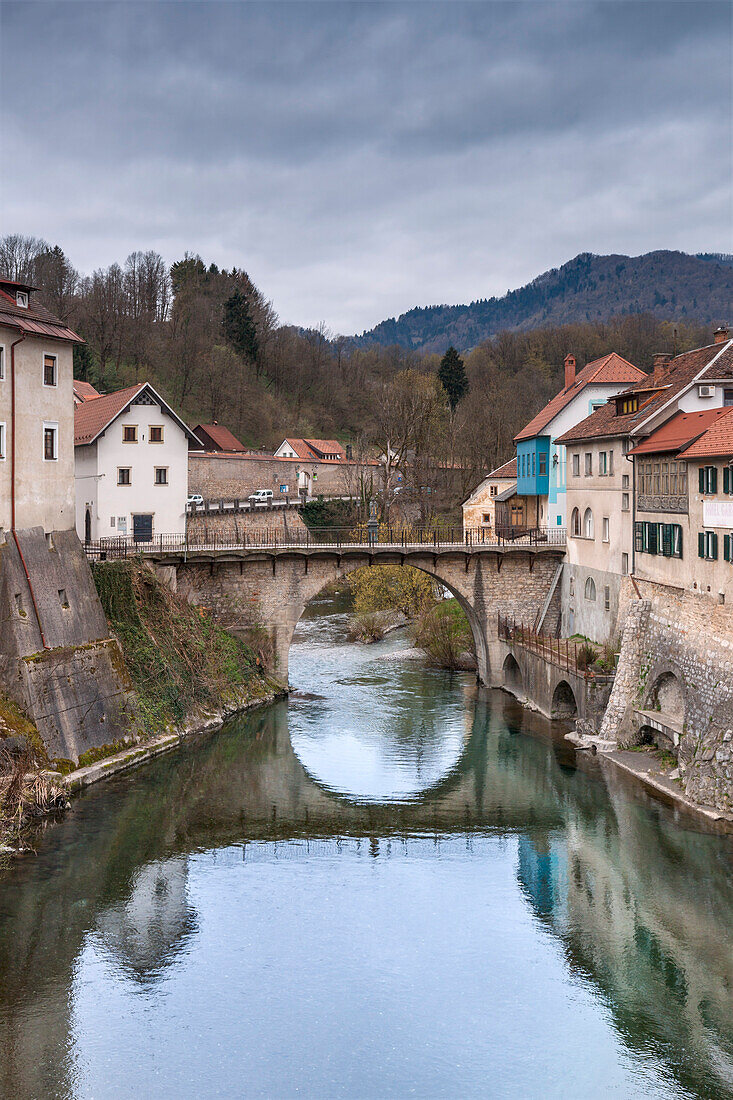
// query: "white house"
[[131, 453]]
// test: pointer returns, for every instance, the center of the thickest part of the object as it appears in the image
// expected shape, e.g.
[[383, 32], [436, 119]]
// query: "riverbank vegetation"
[[27, 792], [444, 634], [180, 662]]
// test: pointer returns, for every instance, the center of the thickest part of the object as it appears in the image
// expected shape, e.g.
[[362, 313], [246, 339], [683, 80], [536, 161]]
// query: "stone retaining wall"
[[223, 526]]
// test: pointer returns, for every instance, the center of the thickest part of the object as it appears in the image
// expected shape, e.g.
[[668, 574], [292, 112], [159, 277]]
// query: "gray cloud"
[[359, 159]]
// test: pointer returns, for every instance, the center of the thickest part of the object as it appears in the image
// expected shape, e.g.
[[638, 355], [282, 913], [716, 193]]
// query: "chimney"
[[661, 362], [721, 334], [569, 371]]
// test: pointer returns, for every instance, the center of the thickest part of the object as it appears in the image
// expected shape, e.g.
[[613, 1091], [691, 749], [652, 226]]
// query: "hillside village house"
[[626, 467], [36, 414], [541, 460], [494, 502], [131, 466]]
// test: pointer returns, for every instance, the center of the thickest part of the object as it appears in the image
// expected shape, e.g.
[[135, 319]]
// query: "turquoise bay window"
[[533, 465]]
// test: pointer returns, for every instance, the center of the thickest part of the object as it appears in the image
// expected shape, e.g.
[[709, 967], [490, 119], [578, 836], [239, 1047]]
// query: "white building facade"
[[131, 467]]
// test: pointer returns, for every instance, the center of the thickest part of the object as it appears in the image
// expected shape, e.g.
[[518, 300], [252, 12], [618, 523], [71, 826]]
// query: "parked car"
[[194, 499], [261, 496]]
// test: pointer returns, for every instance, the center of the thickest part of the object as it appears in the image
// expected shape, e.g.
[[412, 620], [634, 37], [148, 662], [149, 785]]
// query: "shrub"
[[586, 655], [444, 634], [392, 588]]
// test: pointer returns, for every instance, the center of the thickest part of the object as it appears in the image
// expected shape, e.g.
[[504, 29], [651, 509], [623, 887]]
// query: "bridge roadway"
[[267, 581]]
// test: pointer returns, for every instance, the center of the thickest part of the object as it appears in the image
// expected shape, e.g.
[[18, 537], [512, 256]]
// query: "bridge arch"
[[513, 679], [564, 703]]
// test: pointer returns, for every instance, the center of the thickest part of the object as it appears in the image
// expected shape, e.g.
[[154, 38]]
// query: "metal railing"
[[274, 538], [562, 652]]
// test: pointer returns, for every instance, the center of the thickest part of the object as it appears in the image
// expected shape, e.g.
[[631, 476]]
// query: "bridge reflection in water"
[[641, 907]]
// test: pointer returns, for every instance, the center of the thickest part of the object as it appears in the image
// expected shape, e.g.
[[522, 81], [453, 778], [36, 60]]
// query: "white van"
[[261, 496]]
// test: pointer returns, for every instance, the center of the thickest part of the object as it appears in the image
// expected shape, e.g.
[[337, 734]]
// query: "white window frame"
[[624, 564], [50, 355], [603, 463], [588, 464], [606, 529], [2, 440], [50, 425], [21, 298]]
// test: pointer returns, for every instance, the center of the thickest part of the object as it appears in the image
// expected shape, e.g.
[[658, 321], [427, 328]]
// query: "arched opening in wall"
[[513, 676], [371, 716], [590, 590], [563, 701], [668, 696], [588, 524], [575, 523]]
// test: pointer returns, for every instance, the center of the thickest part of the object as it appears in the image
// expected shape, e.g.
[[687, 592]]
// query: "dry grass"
[[25, 793]]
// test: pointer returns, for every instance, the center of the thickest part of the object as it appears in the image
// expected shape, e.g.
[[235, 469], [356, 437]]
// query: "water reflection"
[[223, 900]]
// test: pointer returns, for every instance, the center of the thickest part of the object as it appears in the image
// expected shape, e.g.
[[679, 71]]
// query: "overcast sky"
[[360, 159]]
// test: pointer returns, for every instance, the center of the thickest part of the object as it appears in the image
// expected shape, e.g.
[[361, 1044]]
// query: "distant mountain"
[[669, 285]]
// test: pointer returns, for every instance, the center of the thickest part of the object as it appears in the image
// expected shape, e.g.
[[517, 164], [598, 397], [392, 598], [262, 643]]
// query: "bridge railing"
[[273, 538], [566, 654]]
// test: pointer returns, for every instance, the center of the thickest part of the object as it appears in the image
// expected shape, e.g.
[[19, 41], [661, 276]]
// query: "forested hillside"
[[668, 285], [213, 347]]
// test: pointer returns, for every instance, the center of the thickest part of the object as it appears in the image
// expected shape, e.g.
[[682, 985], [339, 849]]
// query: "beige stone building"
[[36, 414], [480, 509]]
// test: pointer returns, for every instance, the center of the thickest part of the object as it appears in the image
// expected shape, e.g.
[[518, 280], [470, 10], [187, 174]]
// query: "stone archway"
[[564, 704], [667, 695], [512, 675]]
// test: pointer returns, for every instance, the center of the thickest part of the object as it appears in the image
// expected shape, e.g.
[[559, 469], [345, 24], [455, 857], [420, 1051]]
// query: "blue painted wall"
[[533, 467]]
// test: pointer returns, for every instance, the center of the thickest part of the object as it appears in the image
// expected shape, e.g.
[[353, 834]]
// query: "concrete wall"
[[688, 637], [44, 488], [75, 690], [96, 476], [273, 589]]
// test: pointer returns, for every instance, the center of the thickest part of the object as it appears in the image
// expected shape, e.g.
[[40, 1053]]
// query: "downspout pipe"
[[20, 339]]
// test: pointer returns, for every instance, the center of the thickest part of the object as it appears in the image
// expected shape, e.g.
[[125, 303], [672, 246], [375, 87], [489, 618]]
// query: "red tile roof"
[[92, 417], [508, 469], [611, 368], [682, 430], [36, 320], [220, 436], [313, 449], [85, 391], [716, 441], [681, 372]]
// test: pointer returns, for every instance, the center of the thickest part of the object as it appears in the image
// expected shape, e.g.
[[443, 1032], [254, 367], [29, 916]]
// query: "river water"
[[392, 885]]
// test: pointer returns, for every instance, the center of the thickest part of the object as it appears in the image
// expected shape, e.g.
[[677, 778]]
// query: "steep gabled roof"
[[34, 319], [679, 432], [313, 449], [221, 437], [610, 369], [508, 469], [91, 418], [85, 391], [712, 362]]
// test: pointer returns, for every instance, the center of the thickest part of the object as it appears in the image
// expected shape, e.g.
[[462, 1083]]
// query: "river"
[[394, 884]]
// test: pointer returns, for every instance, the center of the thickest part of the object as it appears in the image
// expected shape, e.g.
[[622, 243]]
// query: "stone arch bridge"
[[273, 585]]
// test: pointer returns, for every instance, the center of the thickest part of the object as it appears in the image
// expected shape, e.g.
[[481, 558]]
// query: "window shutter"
[[726, 479], [638, 538], [701, 479], [726, 548], [713, 470], [667, 540], [678, 540], [701, 545], [714, 546], [652, 538]]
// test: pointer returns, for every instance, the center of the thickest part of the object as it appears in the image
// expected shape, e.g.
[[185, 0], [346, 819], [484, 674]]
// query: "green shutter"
[[667, 540], [701, 479], [713, 474], [651, 535], [701, 545], [726, 479], [679, 540], [726, 548], [714, 547]]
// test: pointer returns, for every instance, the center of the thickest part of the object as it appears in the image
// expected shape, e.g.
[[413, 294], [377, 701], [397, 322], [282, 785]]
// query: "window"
[[588, 464], [49, 370], [124, 475], [572, 586], [156, 433], [129, 433], [590, 589], [2, 442], [284, 489], [576, 465], [486, 518], [63, 599], [21, 299], [728, 480], [575, 523], [707, 545], [492, 490], [708, 480], [727, 396], [728, 547], [112, 521], [606, 597], [624, 502], [610, 463], [603, 463], [606, 529], [2, 364], [624, 481], [588, 524], [50, 442], [658, 538], [543, 464], [626, 446], [627, 405], [625, 565], [533, 462], [161, 475]]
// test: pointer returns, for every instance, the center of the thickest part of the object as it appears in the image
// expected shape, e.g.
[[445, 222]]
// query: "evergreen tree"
[[239, 328], [452, 375]]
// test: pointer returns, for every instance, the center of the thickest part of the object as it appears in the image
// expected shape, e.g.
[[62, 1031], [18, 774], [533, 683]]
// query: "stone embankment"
[[674, 686]]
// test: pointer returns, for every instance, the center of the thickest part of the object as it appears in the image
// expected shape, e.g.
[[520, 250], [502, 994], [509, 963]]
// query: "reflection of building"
[[147, 930]]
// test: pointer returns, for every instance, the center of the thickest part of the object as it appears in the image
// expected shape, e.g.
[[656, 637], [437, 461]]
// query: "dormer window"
[[627, 405], [21, 298]]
